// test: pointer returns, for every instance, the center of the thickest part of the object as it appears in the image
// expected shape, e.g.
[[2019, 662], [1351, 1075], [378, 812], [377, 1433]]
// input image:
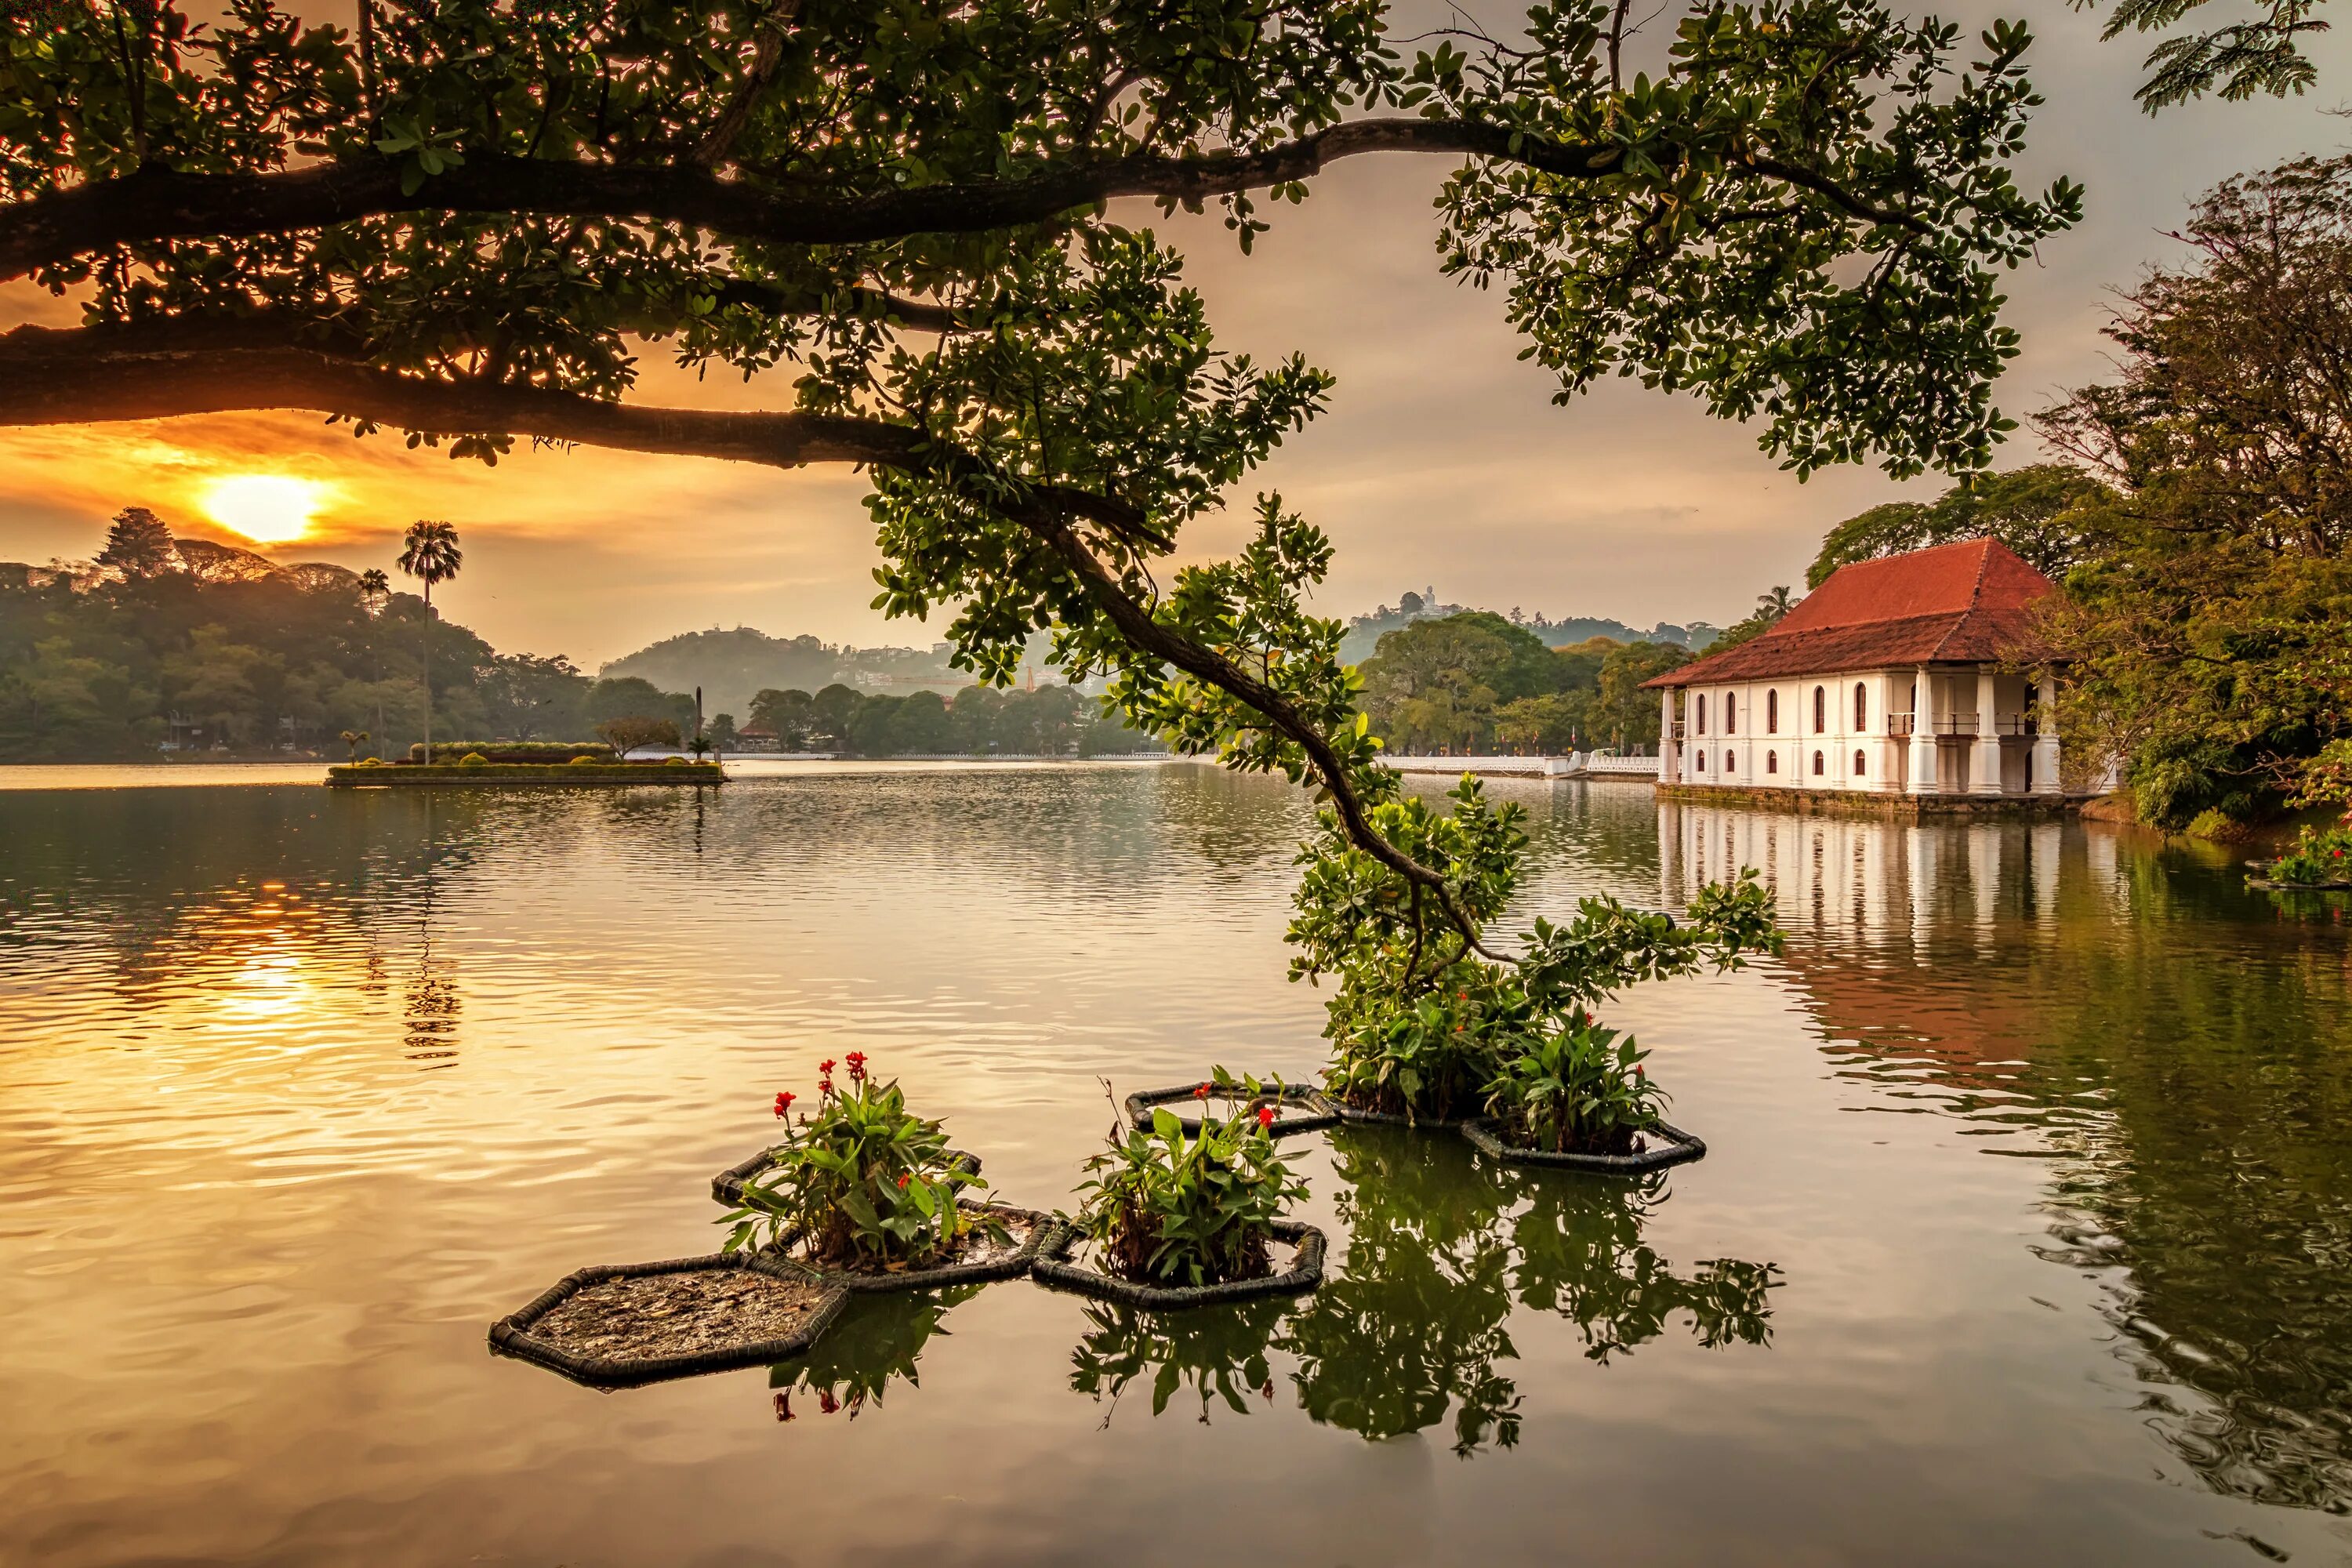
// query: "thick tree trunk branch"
[[155, 205]]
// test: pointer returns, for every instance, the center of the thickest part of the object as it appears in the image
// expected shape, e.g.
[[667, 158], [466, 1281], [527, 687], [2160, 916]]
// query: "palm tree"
[[1775, 605], [430, 555], [375, 592]]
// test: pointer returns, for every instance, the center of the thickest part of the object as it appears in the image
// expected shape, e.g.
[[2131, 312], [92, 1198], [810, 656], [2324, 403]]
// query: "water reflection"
[[879, 1340], [2175, 1046], [1441, 1250], [1216, 1353]]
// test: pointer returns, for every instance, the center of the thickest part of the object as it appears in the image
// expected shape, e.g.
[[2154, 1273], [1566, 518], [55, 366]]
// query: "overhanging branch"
[[155, 206]]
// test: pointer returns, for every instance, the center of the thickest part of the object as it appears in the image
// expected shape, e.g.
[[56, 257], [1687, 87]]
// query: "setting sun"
[[269, 509]]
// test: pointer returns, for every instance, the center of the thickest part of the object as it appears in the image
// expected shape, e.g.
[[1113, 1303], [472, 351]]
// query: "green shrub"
[[515, 751], [1425, 1024], [674, 761], [861, 1182], [2318, 855], [1582, 1089], [585, 762], [474, 759], [1189, 1209]]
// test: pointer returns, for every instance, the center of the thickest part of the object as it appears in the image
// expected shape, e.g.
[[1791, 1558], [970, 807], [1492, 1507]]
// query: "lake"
[[2025, 1235]]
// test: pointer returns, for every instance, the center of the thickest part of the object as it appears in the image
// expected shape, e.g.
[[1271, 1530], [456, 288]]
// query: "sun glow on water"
[[269, 509]]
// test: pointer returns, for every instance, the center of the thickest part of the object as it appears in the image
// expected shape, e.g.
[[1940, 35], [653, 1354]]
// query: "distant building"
[[1886, 678]]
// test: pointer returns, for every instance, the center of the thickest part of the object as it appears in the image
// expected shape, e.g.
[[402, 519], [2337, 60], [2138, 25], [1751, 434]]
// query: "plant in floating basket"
[[1426, 1016], [861, 1182], [1167, 1208], [2319, 856], [1579, 1089]]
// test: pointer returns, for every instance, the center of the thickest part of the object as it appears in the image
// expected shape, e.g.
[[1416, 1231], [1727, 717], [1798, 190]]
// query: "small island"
[[532, 764]]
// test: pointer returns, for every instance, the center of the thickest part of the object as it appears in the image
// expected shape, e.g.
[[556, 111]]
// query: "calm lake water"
[[2026, 1234]]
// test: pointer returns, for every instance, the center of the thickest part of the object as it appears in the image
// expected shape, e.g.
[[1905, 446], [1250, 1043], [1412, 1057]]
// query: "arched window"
[[1729, 767], [1858, 764], [1771, 762], [1818, 768], [1701, 757], [1772, 712], [1730, 714], [1861, 708], [1821, 711]]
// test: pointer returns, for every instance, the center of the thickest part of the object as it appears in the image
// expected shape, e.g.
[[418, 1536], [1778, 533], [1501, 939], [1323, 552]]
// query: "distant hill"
[[1364, 632], [732, 666]]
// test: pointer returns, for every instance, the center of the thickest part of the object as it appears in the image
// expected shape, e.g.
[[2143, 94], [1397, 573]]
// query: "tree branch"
[[157, 204]]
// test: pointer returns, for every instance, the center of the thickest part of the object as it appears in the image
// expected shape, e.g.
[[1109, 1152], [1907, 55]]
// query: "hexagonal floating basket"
[[1301, 1108], [1032, 1233], [620, 1324], [1056, 1268], [1357, 1116], [727, 1186], [1665, 1145]]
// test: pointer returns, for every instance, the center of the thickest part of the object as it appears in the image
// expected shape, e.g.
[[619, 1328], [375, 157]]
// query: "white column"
[[2045, 740], [1984, 755], [1923, 734], [1669, 754]]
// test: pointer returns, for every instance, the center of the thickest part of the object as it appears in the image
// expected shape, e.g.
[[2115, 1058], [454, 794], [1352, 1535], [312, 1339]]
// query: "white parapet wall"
[[1575, 765]]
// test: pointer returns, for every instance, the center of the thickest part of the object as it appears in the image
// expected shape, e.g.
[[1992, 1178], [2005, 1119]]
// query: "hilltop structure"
[[1890, 679]]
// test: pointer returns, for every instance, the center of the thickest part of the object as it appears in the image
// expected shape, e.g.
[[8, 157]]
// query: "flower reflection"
[[878, 1341]]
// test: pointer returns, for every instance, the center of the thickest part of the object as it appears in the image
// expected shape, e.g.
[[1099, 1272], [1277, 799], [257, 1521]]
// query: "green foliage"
[[2047, 513], [861, 1182], [221, 649], [633, 697], [1580, 1088], [515, 751], [1187, 1210], [2247, 56], [1423, 1024], [626, 734], [1220, 1356], [2317, 855], [474, 760], [2208, 631]]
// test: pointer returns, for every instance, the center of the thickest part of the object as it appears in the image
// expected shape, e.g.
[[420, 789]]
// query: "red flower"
[[902, 1180], [826, 1402], [784, 1103], [1202, 1092], [825, 1066], [784, 1405], [824, 1085], [857, 1060], [1264, 1116], [1461, 995], [1638, 1072]]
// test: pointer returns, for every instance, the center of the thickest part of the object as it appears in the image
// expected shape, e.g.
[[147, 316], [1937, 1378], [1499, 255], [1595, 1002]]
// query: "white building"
[[1888, 678]]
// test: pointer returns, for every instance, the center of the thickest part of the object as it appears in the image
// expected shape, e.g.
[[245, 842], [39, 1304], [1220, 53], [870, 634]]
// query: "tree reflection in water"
[[1441, 1251], [878, 1340], [1216, 1353]]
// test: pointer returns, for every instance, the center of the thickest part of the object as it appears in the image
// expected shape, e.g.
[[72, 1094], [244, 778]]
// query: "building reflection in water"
[[2176, 1046]]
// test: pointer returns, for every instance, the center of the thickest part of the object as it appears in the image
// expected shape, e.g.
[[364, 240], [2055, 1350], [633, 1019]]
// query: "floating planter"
[[1057, 1266], [979, 1254], [1297, 1107], [1654, 1147], [1350, 1114], [620, 1324]]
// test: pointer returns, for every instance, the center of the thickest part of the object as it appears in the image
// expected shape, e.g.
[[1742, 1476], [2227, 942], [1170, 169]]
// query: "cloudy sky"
[[1442, 460]]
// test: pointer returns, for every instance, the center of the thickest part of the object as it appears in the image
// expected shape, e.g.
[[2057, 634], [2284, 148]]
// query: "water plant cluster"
[[1430, 1024], [2319, 857]]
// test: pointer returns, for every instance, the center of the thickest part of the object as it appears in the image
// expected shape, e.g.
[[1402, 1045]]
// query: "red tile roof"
[[1965, 603]]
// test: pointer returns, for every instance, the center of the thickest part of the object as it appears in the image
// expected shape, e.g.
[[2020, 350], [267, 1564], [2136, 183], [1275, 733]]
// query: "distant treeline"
[[200, 646], [1473, 682], [1052, 721]]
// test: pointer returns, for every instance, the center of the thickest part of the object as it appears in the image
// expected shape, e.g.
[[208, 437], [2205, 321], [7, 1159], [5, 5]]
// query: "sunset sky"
[[1442, 461]]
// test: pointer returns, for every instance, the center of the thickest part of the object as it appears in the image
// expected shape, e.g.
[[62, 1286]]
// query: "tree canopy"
[[461, 220]]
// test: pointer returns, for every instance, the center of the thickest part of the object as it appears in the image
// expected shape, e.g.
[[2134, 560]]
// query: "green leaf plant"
[[1170, 1208], [859, 1183]]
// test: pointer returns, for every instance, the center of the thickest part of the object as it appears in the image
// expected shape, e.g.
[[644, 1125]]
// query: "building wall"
[[1755, 751], [1734, 737]]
